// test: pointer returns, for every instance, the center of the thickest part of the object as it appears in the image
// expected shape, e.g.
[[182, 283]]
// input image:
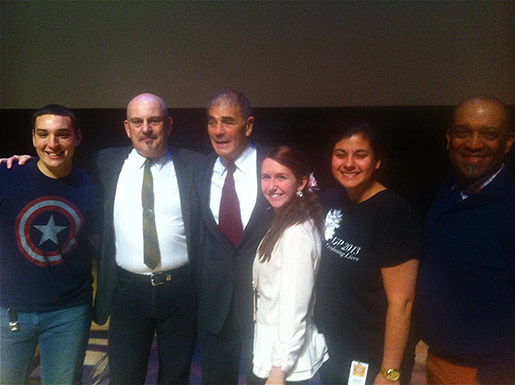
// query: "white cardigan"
[[285, 334]]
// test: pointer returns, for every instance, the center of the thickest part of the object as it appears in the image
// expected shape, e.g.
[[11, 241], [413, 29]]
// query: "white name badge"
[[358, 373]]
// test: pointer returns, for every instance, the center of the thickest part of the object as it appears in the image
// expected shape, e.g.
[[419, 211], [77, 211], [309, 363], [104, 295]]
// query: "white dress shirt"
[[128, 212], [285, 335], [245, 181]]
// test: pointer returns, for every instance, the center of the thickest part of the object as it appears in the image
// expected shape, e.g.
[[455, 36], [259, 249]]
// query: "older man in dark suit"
[[236, 218], [144, 271]]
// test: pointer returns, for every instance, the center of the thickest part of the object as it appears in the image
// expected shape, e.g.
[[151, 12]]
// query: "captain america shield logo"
[[46, 230]]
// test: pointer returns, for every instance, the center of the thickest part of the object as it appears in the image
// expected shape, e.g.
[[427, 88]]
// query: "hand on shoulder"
[[20, 159]]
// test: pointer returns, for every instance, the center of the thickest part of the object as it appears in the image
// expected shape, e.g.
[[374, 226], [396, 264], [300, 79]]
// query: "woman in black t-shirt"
[[368, 270]]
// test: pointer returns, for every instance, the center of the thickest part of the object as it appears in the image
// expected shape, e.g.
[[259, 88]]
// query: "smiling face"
[[478, 140], [278, 184], [148, 125], [228, 131], [55, 139], [353, 164]]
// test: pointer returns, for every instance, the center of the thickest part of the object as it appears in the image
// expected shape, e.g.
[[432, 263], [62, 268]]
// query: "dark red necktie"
[[229, 219]]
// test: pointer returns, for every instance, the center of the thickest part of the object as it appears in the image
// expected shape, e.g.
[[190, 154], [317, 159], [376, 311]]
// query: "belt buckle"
[[14, 326], [13, 320], [153, 280]]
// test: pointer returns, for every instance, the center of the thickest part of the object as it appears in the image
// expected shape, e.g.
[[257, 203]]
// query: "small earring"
[[299, 193]]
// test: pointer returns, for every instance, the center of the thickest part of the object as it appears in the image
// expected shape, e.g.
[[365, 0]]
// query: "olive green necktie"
[[151, 253]]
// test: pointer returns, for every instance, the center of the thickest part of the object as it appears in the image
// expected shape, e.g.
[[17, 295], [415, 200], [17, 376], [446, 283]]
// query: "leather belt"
[[157, 278]]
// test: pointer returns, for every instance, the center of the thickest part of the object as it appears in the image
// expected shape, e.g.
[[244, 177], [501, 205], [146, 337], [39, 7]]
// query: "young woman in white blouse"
[[287, 346]]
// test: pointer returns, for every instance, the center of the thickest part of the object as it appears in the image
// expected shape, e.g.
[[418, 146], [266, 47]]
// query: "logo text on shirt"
[[343, 249]]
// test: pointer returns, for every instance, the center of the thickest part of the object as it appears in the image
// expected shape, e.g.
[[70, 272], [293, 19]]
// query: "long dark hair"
[[299, 209]]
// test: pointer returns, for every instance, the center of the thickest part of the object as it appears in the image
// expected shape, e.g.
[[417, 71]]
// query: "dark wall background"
[[415, 163], [99, 54], [303, 64]]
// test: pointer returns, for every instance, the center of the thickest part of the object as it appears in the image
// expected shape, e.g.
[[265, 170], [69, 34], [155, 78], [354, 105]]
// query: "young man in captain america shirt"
[[46, 214]]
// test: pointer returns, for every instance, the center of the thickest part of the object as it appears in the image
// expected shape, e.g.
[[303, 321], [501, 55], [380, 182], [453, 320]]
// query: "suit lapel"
[[261, 206], [114, 167], [185, 186], [108, 166], [205, 196]]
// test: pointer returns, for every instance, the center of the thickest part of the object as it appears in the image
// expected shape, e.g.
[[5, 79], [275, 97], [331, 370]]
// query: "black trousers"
[[139, 312], [221, 353]]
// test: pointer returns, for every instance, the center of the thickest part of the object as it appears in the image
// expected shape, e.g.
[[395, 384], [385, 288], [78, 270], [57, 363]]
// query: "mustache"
[[481, 154], [150, 136]]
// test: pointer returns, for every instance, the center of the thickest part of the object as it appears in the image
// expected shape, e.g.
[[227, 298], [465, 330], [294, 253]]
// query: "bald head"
[[148, 98], [480, 137], [148, 125], [484, 106]]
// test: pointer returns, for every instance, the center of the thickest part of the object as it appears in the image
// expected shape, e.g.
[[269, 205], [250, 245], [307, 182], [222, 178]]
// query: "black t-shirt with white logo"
[[360, 239]]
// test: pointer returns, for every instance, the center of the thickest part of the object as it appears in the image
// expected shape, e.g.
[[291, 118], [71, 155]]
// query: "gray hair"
[[234, 98]]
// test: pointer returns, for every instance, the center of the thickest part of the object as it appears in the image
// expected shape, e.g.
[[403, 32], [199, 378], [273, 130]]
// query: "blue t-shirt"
[[45, 259]]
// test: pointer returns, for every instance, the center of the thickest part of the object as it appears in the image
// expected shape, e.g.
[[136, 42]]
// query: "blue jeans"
[[62, 336]]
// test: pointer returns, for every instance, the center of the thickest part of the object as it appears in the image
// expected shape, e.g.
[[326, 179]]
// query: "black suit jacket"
[[226, 270], [107, 167]]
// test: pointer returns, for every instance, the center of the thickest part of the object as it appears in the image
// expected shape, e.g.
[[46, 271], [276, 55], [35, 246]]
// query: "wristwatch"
[[391, 374]]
